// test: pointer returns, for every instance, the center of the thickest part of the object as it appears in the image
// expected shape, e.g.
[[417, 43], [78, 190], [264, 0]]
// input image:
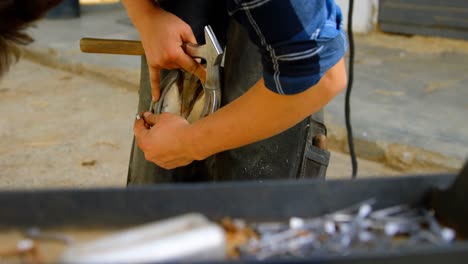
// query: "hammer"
[[211, 52]]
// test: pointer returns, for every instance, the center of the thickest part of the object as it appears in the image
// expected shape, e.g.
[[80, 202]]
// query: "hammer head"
[[212, 52]]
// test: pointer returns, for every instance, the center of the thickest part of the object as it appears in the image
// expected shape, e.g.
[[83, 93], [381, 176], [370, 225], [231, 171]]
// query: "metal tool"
[[212, 53], [182, 94], [354, 228]]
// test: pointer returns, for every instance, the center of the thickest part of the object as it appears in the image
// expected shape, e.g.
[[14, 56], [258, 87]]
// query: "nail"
[[364, 211], [448, 234], [270, 227], [391, 229], [444, 233], [353, 208], [296, 222], [366, 236], [403, 226], [389, 211], [329, 227], [426, 236], [340, 217]]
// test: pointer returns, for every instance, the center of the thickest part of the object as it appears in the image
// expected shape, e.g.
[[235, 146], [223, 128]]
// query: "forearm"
[[260, 114]]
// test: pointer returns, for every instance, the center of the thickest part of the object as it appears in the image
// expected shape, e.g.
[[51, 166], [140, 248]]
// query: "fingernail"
[[153, 98]]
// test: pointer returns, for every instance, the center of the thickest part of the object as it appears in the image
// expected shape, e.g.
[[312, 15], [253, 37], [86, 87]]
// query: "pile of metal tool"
[[193, 237], [357, 228]]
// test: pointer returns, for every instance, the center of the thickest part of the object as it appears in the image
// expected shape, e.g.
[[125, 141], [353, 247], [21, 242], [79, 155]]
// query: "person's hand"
[[167, 142], [162, 35]]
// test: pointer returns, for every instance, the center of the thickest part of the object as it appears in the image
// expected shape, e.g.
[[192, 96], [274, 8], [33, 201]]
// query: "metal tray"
[[274, 200]]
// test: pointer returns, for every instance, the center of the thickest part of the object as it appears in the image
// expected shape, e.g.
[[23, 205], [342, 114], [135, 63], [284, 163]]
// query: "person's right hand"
[[162, 35]]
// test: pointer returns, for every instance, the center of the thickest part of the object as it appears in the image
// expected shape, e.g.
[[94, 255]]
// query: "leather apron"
[[295, 153]]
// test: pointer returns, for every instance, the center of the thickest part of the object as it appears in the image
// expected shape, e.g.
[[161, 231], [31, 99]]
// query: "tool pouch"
[[316, 156]]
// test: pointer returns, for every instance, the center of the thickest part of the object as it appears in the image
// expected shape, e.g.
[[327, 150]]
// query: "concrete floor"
[[63, 130], [59, 132], [408, 95]]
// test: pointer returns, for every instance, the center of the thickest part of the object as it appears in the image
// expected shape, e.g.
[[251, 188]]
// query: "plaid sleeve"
[[299, 39]]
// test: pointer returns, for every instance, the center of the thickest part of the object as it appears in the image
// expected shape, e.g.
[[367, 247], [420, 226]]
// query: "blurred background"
[[67, 117]]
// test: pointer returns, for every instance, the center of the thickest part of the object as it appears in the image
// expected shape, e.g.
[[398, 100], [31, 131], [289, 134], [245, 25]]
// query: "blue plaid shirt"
[[299, 39]]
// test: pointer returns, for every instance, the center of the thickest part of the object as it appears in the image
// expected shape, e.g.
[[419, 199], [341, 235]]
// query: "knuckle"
[[170, 56], [153, 63], [187, 29], [153, 77], [193, 68]]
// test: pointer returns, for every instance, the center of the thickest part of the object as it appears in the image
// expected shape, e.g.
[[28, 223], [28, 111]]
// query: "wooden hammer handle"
[[111, 46]]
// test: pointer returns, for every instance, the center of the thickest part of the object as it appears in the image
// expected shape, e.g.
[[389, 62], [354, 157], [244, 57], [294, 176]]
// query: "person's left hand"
[[167, 143]]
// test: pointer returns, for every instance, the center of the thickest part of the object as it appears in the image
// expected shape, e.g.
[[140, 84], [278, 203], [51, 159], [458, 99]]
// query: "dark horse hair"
[[15, 17]]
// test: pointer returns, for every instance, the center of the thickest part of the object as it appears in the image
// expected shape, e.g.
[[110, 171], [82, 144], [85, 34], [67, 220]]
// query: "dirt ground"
[[63, 129]]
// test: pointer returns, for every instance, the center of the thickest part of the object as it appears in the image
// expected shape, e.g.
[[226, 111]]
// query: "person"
[[301, 45], [15, 17]]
